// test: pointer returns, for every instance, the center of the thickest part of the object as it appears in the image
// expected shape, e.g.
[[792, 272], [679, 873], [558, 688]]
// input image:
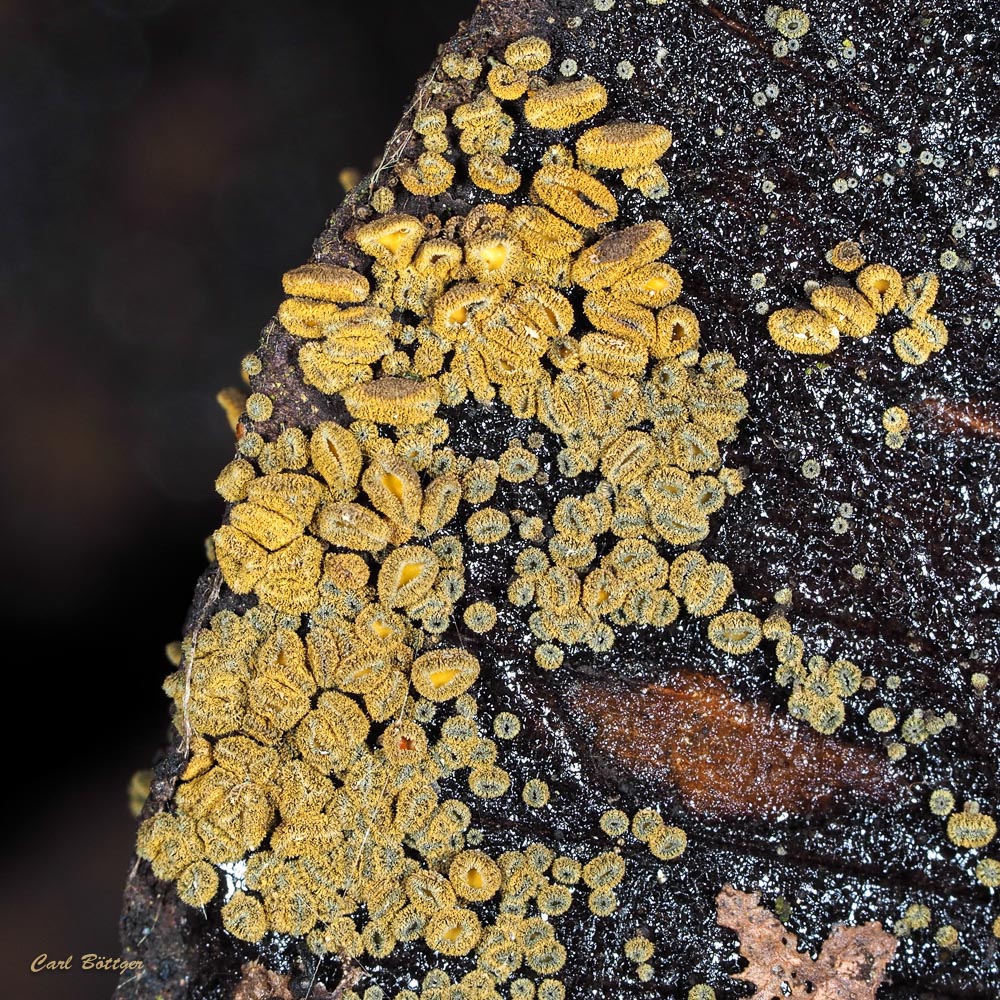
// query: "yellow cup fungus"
[[881, 285], [577, 197], [489, 171], [392, 239], [735, 632], [677, 331], [560, 105], [400, 402], [488, 526], [792, 22], [803, 331], [623, 144], [840, 310], [846, 256], [546, 235], [507, 82], [701, 991], [667, 842], [480, 616], [638, 949], [849, 311], [988, 872], [529, 53], [453, 931], [326, 282], [444, 673], [243, 916], [970, 827], [946, 936], [474, 876], [535, 793], [307, 318], [602, 902], [919, 294]]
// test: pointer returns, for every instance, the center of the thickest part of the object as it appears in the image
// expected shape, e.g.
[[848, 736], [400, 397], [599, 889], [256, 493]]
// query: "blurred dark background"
[[162, 162]]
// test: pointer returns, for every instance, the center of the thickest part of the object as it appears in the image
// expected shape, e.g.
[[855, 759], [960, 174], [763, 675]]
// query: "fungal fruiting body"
[[838, 309]]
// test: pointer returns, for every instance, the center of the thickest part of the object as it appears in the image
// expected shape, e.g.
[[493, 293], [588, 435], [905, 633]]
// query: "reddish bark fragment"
[[850, 966], [968, 416], [728, 757], [258, 983]]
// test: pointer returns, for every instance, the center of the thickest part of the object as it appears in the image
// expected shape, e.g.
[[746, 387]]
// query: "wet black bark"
[[753, 191]]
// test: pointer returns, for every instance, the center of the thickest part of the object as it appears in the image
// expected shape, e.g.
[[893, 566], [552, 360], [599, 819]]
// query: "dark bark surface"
[[760, 140]]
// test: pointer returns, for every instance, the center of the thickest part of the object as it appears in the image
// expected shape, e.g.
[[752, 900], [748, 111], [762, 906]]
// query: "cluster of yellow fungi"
[[313, 782], [838, 309], [322, 720], [818, 687], [492, 289], [639, 950], [896, 424]]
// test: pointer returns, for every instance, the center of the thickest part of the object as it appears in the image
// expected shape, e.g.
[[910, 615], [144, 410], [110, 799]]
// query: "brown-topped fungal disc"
[[846, 256], [623, 144], [400, 402], [327, 282], [562, 104], [608, 260]]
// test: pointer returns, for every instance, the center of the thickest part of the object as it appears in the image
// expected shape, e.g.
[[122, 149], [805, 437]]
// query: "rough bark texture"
[[890, 555]]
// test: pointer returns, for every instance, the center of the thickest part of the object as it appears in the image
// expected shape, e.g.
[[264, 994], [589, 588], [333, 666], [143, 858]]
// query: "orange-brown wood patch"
[[728, 757], [962, 416]]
